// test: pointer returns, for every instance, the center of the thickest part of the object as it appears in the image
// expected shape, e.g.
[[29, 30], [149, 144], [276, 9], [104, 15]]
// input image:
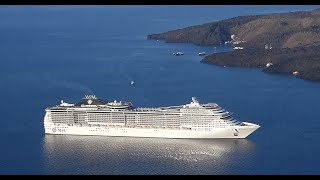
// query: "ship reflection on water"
[[128, 155]]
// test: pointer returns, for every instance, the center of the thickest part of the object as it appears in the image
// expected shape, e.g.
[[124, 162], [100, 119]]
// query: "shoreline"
[[281, 61], [279, 43]]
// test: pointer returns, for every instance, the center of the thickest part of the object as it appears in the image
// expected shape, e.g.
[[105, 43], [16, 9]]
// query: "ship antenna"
[[194, 100]]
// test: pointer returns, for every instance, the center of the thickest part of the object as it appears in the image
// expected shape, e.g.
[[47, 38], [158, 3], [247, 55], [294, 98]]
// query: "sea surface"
[[54, 53]]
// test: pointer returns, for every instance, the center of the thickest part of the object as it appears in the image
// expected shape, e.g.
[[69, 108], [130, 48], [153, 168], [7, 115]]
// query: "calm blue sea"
[[50, 53]]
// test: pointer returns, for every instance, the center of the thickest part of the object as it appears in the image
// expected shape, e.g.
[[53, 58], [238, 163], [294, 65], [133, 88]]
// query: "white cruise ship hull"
[[236, 132]]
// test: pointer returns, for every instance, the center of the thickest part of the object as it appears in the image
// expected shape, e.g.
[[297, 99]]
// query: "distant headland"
[[286, 43]]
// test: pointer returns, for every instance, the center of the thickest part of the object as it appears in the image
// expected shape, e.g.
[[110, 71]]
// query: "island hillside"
[[278, 43]]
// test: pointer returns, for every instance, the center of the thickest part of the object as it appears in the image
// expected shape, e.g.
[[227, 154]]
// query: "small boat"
[[178, 53], [201, 53], [132, 82], [269, 64]]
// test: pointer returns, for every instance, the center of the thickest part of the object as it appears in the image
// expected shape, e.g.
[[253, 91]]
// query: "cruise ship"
[[94, 116]]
